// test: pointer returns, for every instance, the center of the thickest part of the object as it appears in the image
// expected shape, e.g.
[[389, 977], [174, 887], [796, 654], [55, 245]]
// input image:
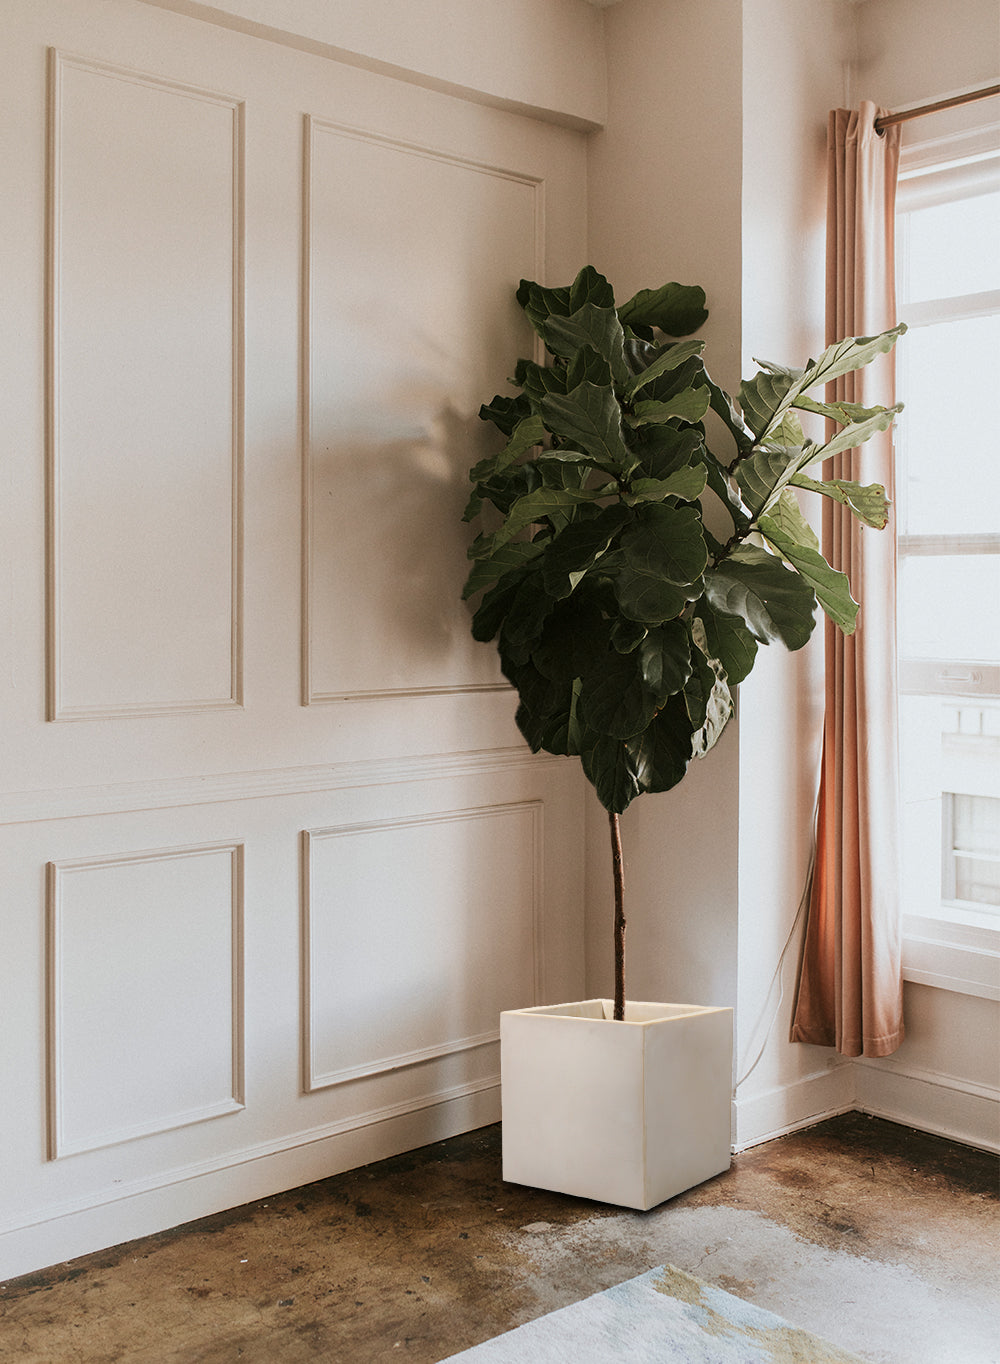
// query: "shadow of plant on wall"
[[388, 599]]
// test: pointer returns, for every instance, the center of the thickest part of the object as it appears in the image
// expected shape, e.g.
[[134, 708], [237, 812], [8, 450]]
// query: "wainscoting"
[[273, 854]]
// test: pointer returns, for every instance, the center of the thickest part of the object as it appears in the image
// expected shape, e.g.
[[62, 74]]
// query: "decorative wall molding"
[[388, 1064], [315, 123], [61, 1140], [59, 705], [313, 694], [25, 807], [313, 1079], [261, 1151]]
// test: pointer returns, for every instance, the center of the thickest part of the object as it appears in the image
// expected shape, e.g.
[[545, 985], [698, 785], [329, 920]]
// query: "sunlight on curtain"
[[850, 984]]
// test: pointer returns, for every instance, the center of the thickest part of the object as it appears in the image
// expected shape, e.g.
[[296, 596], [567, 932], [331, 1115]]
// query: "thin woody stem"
[[617, 862]]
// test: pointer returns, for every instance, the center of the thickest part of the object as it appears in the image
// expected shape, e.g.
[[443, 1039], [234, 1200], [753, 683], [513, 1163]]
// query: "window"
[[971, 854], [948, 529]]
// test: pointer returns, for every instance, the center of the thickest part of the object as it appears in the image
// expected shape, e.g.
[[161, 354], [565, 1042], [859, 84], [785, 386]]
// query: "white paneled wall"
[[442, 910], [265, 896], [387, 422], [146, 213], [154, 938]]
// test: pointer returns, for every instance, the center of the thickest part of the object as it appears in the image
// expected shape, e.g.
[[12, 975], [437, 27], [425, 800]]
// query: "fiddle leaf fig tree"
[[621, 620]]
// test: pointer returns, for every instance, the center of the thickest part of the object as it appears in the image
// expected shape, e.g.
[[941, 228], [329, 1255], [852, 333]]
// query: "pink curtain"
[[850, 983]]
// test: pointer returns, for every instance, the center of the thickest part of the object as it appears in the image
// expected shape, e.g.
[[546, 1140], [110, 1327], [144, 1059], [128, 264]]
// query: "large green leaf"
[[662, 450], [723, 406], [786, 517], [645, 596], [766, 398], [528, 433], [545, 708], [572, 638], [677, 309], [664, 556], [527, 613], [727, 638], [763, 397], [774, 601], [537, 380], [668, 541], [591, 418], [687, 484], [626, 634], [577, 548], [591, 328], [720, 711], [505, 412], [854, 434], [847, 355], [492, 610], [558, 730], [528, 510], [787, 432], [763, 474], [867, 502], [665, 659], [842, 413], [707, 697], [540, 303], [615, 698], [660, 754], [540, 694], [669, 358], [503, 490], [510, 556], [608, 767], [798, 544], [690, 405]]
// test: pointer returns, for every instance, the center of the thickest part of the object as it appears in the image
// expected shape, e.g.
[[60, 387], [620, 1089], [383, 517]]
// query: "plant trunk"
[[616, 859]]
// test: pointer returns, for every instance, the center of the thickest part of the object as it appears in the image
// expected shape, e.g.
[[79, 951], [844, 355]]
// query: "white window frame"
[[957, 947]]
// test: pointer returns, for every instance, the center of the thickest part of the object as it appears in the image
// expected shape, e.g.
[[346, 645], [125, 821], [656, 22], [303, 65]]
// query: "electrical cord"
[[777, 976]]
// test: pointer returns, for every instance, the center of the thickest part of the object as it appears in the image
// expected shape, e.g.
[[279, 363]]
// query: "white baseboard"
[[786, 1108], [944, 1105], [62, 1233]]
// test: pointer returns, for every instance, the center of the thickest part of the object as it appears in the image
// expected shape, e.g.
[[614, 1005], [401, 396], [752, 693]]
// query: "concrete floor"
[[882, 1240]]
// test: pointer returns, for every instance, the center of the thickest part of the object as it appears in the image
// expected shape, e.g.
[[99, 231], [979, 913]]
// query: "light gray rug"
[[663, 1317]]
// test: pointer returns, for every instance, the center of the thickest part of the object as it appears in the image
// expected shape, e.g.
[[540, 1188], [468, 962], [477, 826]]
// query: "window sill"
[[954, 949]]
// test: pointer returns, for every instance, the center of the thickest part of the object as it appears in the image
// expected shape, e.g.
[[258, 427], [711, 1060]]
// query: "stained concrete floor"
[[882, 1240]]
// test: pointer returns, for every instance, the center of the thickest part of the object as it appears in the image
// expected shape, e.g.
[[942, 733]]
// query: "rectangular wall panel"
[[417, 933], [145, 993], [398, 360], [145, 374]]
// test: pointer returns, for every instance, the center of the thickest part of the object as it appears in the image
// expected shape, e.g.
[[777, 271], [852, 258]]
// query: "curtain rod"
[[887, 119]]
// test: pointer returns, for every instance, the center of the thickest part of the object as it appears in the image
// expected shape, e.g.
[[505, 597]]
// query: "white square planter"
[[629, 1113]]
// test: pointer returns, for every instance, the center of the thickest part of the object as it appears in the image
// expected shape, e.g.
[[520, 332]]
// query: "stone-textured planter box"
[[628, 1113]]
